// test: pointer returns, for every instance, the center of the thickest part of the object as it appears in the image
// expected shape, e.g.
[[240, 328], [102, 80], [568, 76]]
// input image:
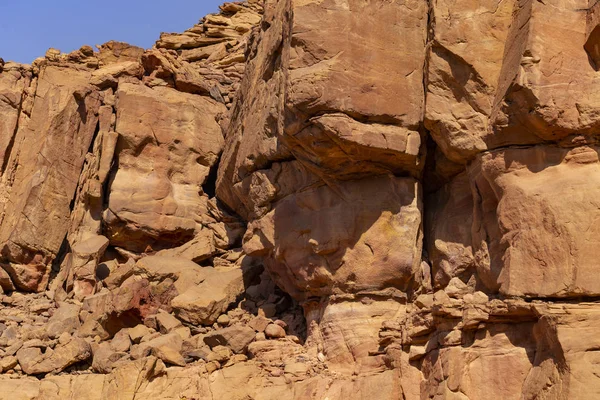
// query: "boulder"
[[204, 303], [167, 348], [138, 332], [167, 322], [105, 358], [182, 273], [64, 319], [274, 331], [72, 351], [236, 337], [169, 162]]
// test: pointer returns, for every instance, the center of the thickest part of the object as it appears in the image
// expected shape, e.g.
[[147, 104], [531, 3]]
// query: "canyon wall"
[[309, 199]]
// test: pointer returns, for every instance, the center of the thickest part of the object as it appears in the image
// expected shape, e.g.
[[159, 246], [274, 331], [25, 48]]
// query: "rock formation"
[[308, 199]]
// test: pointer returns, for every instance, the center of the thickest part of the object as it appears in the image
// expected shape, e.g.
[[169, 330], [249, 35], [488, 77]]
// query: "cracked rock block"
[[168, 142], [463, 67], [511, 72], [532, 351], [254, 130], [567, 360], [343, 238], [205, 302], [40, 178], [535, 230], [344, 57], [14, 80], [369, 127], [297, 74], [336, 145], [34, 362], [326, 232], [324, 149]]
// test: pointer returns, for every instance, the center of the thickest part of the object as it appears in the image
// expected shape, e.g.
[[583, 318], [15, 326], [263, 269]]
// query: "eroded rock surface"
[[308, 199]]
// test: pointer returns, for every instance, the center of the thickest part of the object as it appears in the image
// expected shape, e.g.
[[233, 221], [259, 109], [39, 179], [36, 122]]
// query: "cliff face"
[[308, 199]]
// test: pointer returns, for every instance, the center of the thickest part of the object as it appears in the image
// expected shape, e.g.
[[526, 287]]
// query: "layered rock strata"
[[307, 199]]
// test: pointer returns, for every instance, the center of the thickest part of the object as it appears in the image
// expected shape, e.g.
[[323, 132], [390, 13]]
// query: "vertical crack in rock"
[[13, 137]]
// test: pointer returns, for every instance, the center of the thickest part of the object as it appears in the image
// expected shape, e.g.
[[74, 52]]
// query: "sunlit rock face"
[[308, 199]]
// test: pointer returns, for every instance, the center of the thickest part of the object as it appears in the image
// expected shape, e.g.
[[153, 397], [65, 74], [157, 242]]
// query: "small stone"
[[223, 320], [238, 358], [253, 292], [281, 323], [150, 322], [452, 338], [440, 297], [121, 342], [34, 343], [416, 352], [150, 336], [236, 337], [87, 51], [212, 366], [259, 324], [220, 354], [167, 348], [294, 339], [274, 331], [13, 348], [8, 363], [64, 319], [321, 357], [166, 322], [183, 331], [480, 298], [138, 332], [41, 306], [457, 288], [424, 301], [10, 333], [199, 354], [64, 338]]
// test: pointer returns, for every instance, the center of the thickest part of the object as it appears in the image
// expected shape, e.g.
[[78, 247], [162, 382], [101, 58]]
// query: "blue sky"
[[29, 28]]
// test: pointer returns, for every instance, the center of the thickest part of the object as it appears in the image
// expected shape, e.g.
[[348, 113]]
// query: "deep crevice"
[[209, 187]]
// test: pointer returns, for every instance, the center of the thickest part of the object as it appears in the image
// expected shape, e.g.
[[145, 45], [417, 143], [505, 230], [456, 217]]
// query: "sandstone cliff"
[[308, 199]]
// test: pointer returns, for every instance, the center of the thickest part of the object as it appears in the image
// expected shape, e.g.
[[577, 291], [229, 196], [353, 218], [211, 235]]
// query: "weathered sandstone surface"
[[308, 199]]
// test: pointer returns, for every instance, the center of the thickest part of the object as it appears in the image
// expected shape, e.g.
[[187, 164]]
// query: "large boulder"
[[203, 303], [237, 338], [34, 362], [168, 142]]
